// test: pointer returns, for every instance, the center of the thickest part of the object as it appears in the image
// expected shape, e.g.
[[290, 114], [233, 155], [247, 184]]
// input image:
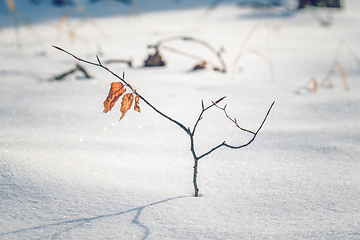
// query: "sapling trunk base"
[[195, 178]]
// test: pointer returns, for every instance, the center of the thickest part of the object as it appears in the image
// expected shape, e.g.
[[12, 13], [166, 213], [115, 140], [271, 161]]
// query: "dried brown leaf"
[[136, 105], [116, 90], [126, 104]]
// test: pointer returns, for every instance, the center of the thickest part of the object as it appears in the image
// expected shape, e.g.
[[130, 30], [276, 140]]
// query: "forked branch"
[[187, 130], [224, 144]]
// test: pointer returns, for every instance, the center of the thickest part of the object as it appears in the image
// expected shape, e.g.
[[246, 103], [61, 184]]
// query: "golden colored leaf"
[[116, 90], [136, 105], [126, 104]]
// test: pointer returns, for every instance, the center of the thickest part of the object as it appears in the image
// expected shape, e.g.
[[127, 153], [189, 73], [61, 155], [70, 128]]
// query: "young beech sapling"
[[119, 88]]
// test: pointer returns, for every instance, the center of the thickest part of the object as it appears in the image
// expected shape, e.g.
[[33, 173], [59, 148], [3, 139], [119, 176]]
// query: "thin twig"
[[202, 112], [342, 73], [244, 145], [257, 53], [335, 62], [233, 120]]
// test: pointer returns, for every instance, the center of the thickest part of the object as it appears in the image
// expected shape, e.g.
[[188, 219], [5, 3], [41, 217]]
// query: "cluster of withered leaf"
[[116, 90]]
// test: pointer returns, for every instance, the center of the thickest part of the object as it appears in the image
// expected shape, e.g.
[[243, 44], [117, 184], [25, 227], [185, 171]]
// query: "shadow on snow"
[[75, 223]]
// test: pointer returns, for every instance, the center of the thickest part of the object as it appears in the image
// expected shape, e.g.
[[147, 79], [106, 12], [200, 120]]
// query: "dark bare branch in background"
[[76, 68], [160, 44]]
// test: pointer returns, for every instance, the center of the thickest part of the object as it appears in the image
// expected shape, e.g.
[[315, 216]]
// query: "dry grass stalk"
[[60, 25], [73, 31], [327, 83], [70, 32], [342, 44], [81, 8], [255, 52], [311, 85], [315, 85], [342, 73], [258, 54], [11, 5]]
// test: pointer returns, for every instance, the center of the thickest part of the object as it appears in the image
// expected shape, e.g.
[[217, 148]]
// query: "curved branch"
[[224, 144], [254, 134], [207, 45], [258, 54]]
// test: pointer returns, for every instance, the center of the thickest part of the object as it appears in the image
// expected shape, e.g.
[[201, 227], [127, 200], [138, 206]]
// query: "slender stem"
[[200, 117], [195, 178], [165, 116]]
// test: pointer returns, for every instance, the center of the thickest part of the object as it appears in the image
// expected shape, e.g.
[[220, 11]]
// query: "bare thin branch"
[[255, 134], [98, 59], [233, 120], [224, 144], [202, 112], [164, 115], [213, 149]]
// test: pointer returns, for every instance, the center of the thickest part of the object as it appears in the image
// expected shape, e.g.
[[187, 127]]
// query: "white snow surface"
[[69, 171]]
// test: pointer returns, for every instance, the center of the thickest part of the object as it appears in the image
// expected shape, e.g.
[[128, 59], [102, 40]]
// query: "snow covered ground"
[[67, 170]]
